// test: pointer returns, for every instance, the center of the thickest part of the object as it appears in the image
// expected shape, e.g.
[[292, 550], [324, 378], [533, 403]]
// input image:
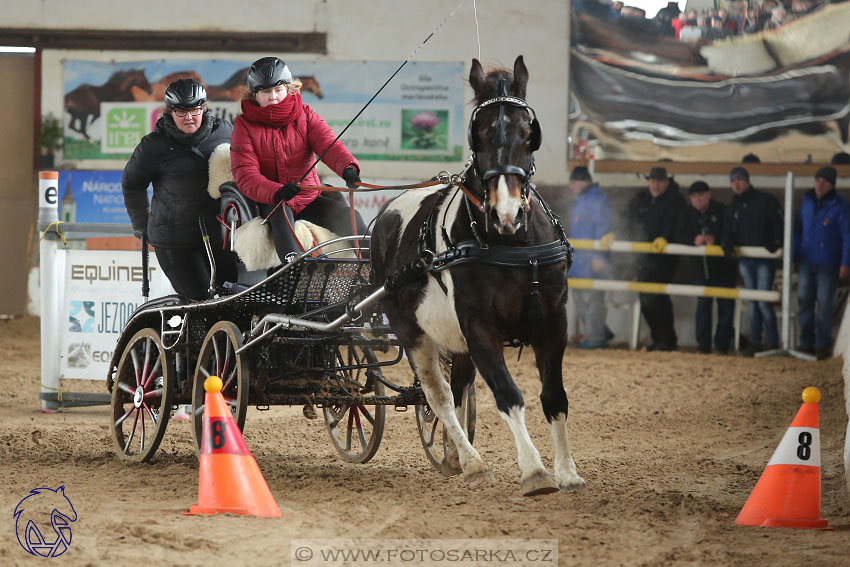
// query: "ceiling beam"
[[145, 40]]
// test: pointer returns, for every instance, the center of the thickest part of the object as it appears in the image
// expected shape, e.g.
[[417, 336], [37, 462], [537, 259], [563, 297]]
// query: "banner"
[[102, 290], [92, 196], [110, 106]]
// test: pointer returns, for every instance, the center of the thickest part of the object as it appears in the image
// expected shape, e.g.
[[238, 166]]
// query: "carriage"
[[458, 271], [309, 334]]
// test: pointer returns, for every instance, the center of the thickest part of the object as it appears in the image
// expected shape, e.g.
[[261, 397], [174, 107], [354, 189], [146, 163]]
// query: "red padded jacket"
[[263, 158]]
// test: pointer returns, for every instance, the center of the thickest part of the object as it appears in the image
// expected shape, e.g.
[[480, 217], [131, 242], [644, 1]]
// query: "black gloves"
[[286, 192], [772, 246], [140, 234], [729, 249], [349, 174]]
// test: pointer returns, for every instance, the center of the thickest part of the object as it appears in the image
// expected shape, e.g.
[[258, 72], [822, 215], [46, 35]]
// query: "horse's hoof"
[[575, 484], [478, 473], [541, 482], [451, 464]]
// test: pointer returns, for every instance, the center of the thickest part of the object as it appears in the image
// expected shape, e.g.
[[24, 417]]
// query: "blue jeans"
[[759, 274], [817, 285]]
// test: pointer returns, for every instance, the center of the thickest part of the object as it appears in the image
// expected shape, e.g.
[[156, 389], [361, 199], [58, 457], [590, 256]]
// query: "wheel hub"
[[138, 397]]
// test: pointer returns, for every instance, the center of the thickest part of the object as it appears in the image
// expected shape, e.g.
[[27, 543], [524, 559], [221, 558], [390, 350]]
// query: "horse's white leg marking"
[[565, 467], [535, 478], [425, 360]]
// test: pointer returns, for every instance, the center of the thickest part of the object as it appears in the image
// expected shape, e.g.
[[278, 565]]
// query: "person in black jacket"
[[754, 218], [175, 159], [701, 224], [654, 213]]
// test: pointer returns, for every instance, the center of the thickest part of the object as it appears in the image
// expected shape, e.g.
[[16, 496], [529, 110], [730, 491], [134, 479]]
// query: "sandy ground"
[[671, 444]]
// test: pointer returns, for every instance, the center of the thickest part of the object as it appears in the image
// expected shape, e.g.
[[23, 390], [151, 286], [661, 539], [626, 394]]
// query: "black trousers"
[[725, 314], [329, 210], [188, 269], [656, 308]]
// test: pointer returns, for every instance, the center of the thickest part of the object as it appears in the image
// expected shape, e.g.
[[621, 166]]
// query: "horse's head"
[[126, 80], [503, 135]]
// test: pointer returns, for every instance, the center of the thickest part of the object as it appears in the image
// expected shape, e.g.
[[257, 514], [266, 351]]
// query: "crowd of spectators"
[[705, 25], [820, 252]]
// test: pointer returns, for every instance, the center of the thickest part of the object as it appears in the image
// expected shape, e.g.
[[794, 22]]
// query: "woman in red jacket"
[[274, 141]]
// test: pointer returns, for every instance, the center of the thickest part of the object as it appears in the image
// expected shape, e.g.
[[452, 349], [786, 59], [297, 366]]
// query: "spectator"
[[840, 158], [777, 18], [822, 254], [654, 213], [729, 23], [701, 224], [717, 31], [750, 158], [678, 23], [754, 218], [590, 218], [692, 31]]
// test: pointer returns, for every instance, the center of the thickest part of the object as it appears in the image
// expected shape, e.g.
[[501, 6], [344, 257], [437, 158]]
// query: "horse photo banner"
[[110, 106]]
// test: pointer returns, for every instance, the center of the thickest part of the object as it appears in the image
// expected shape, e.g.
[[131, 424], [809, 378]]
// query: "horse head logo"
[[32, 513]]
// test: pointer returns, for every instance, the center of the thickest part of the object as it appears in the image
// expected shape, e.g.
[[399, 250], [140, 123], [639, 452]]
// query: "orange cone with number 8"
[[788, 493], [230, 481]]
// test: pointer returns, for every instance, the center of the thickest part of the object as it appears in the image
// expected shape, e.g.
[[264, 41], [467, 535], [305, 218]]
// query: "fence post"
[[48, 213], [786, 261]]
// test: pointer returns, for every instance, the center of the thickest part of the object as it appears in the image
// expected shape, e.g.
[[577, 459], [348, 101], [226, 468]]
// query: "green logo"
[[124, 128]]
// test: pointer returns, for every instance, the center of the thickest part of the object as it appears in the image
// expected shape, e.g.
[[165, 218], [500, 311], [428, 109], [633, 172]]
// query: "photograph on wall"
[[661, 86], [110, 106]]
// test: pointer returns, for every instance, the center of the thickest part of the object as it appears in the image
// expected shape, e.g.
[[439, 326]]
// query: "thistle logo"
[[32, 513]]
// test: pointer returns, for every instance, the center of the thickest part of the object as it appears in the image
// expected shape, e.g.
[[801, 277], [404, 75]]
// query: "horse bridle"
[[499, 139]]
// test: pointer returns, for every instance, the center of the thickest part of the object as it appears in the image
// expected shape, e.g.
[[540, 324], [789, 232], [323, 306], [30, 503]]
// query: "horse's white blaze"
[[565, 467], [507, 206], [527, 454]]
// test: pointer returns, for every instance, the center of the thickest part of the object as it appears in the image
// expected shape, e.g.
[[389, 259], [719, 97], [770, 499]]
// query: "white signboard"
[[102, 290]]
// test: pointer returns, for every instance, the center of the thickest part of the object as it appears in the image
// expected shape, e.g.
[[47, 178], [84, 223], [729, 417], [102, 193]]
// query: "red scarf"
[[274, 115]]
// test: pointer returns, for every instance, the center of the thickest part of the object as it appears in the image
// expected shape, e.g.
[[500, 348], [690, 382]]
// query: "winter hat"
[[827, 173], [739, 173], [658, 173], [580, 173], [698, 187]]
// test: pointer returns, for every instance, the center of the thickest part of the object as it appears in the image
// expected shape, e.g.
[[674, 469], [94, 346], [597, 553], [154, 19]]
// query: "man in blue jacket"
[[590, 218], [822, 254]]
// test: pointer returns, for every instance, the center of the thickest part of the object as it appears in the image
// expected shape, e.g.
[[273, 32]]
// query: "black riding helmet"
[[185, 93], [268, 72]]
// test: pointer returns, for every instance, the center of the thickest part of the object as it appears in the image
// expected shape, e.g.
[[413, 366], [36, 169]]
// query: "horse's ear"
[[520, 78], [476, 76]]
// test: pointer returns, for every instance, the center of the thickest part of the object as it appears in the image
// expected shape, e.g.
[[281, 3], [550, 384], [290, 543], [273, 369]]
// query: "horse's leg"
[[424, 359], [463, 374], [549, 352], [487, 354]]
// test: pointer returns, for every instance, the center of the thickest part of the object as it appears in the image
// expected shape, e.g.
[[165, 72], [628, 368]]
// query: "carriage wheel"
[[141, 396], [356, 431], [218, 358], [432, 433]]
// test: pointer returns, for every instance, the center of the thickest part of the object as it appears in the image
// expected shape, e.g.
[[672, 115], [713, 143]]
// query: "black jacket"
[[693, 222], [652, 217], [180, 174], [753, 218]]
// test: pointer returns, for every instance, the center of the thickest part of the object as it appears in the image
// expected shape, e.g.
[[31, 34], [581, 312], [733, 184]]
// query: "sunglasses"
[[181, 112]]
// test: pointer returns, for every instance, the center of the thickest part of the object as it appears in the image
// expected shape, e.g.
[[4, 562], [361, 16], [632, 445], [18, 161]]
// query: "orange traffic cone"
[[230, 481], [788, 493]]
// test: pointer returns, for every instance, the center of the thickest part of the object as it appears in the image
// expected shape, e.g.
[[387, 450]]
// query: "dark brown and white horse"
[[466, 279]]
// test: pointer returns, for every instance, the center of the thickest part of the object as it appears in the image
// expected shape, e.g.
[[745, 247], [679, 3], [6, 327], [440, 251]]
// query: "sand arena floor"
[[671, 444]]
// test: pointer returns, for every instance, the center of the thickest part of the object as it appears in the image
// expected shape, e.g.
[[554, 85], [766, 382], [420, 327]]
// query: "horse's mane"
[[238, 78], [118, 76], [493, 79]]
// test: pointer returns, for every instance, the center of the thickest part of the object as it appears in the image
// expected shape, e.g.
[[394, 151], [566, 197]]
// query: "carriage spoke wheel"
[[141, 396], [356, 429], [433, 433], [218, 358]]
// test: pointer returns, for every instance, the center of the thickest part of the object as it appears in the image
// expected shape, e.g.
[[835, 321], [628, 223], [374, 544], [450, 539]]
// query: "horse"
[[475, 264], [309, 84], [84, 101], [232, 89], [157, 91]]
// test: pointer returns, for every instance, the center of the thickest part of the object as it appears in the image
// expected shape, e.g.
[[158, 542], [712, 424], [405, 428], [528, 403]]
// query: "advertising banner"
[[102, 290], [109, 106]]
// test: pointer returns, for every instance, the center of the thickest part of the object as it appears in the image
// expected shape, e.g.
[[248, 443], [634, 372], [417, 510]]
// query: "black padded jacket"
[[180, 175]]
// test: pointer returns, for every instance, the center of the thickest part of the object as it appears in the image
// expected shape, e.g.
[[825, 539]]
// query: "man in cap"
[[822, 253], [754, 218], [702, 225], [590, 218], [654, 213]]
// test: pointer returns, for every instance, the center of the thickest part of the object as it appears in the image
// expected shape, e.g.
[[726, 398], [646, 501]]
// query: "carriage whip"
[[409, 57]]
